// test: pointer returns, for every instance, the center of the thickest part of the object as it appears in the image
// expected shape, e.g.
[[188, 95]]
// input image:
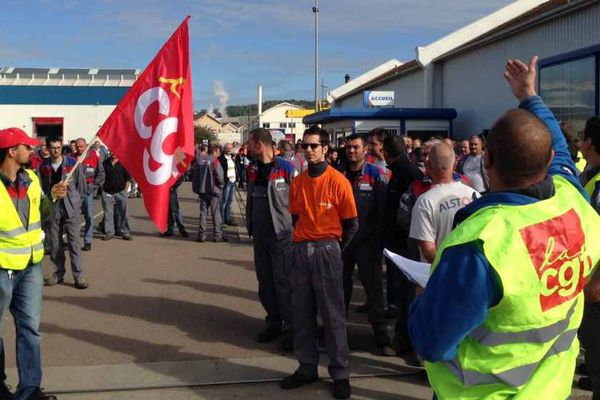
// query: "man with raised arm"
[[500, 313]]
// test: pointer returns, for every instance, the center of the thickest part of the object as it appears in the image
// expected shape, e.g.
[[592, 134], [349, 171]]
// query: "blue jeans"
[[87, 207], [226, 202], [22, 295]]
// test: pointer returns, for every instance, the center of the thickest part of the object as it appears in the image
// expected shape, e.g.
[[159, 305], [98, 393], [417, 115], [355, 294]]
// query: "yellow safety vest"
[[590, 186], [526, 348], [21, 245]]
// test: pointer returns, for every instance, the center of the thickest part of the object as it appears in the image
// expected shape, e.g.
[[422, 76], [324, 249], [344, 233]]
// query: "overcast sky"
[[235, 44]]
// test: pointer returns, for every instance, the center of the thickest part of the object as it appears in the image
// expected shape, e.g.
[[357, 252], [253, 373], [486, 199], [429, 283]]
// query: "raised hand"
[[521, 77]]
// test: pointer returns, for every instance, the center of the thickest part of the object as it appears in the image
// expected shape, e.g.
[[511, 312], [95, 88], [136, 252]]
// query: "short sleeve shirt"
[[473, 168], [321, 204], [433, 212]]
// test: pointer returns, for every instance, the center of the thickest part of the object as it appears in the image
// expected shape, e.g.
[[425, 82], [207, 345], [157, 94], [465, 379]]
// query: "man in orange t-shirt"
[[325, 219]]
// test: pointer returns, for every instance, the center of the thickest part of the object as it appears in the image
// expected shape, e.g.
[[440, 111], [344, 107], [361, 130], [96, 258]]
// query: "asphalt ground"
[[170, 318]]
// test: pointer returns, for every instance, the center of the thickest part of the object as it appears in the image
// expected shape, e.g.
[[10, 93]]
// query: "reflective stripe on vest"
[[487, 337], [20, 230], [512, 377], [22, 250]]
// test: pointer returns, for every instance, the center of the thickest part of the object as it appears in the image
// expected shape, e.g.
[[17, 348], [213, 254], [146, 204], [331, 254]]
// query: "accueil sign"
[[374, 98]]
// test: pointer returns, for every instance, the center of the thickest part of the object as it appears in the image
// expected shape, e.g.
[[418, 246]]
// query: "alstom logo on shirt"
[[560, 259], [378, 98]]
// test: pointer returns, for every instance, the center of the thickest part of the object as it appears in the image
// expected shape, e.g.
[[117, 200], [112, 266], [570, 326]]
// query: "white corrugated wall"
[[79, 121], [408, 92], [473, 83]]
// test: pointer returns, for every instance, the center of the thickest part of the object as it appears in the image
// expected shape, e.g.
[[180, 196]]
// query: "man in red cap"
[[23, 208]]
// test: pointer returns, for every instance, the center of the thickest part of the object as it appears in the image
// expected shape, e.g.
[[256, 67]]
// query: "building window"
[[282, 125], [569, 90], [266, 125], [292, 124]]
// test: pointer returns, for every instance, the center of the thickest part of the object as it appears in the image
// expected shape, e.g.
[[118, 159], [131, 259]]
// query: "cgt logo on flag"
[[151, 131], [167, 163], [558, 253]]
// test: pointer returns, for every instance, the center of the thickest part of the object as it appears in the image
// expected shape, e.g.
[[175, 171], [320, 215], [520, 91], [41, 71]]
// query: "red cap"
[[14, 136]]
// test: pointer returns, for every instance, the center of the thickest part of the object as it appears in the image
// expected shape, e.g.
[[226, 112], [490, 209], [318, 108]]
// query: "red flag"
[[151, 130]]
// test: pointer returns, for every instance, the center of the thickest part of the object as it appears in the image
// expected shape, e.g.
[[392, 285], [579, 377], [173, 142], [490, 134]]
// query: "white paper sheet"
[[416, 272]]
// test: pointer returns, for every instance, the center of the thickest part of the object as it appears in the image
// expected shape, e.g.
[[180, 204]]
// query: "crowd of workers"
[[510, 235], [477, 210]]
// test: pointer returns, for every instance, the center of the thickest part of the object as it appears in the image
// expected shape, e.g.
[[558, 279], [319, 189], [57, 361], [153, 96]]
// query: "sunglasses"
[[313, 146]]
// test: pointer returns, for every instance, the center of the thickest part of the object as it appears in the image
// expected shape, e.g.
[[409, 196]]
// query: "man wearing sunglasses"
[[325, 220], [21, 251]]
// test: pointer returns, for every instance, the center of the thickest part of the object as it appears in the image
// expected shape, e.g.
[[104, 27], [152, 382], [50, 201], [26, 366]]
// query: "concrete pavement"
[[170, 318]]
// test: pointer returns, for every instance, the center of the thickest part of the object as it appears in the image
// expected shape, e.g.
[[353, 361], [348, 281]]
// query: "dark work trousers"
[[404, 295], [212, 204], [317, 284], [367, 256], [271, 259], [62, 223], [174, 213], [115, 213], [589, 333]]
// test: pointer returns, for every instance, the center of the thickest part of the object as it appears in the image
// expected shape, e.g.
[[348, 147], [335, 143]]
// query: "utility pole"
[[315, 10]]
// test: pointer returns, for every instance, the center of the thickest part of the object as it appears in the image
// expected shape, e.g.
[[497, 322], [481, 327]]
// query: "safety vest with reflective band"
[[18, 245], [527, 346], [590, 186]]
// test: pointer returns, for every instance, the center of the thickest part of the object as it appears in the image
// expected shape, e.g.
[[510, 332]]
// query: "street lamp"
[[315, 10]]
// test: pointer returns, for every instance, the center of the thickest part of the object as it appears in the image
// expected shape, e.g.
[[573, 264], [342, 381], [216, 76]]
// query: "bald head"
[[520, 149], [441, 157]]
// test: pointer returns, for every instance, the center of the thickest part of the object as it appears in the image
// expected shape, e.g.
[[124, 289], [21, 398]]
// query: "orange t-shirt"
[[321, 204]]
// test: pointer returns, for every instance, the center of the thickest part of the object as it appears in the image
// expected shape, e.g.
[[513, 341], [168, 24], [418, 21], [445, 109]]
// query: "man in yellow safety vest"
[[499, 316], [21, 250]]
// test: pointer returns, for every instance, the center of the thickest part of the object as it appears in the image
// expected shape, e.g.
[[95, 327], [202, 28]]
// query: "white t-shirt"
[[433, 212], [230, 168]]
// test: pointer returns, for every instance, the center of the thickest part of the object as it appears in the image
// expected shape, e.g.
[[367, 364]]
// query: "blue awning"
[[341, 113]]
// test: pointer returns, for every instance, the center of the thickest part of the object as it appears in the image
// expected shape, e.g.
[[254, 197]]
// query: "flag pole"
[[80, 159]]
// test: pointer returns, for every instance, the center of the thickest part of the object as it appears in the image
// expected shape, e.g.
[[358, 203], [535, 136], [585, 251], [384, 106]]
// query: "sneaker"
[[184, 233], [223, 239], [296, 380], [5, 393], [108, 236], [200, 240], [287, 341], [38, 394], [231, 223], [127, 237], [87, 247], [341, 389], [164, 234], [53, 280], [81, 283], [268, 334]]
